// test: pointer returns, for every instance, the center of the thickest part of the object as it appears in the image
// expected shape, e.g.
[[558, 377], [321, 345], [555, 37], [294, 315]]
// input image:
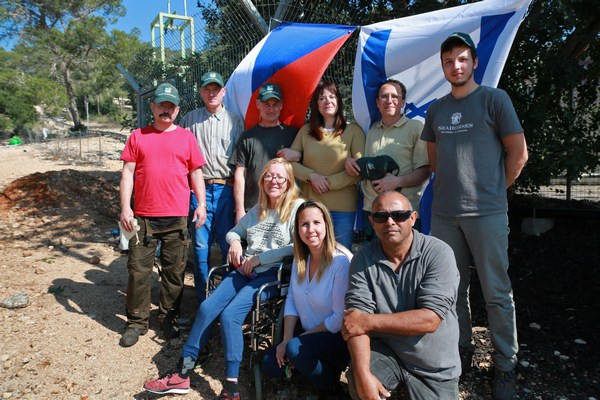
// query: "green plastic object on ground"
[[15, 140]]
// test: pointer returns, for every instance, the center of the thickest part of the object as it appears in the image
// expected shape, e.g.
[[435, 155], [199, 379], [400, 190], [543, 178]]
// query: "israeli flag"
[[408, 49]]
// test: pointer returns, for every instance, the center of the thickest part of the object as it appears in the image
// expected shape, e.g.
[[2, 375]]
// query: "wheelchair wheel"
[[258, 386], [278, 337]]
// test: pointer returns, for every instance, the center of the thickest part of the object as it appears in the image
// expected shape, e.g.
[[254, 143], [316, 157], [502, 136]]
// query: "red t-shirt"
[[164, 161]]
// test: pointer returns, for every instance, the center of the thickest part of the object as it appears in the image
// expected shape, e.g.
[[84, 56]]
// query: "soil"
[[56, 218]]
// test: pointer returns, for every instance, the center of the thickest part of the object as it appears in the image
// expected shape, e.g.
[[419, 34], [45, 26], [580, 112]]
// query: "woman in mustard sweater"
[[318, 155]]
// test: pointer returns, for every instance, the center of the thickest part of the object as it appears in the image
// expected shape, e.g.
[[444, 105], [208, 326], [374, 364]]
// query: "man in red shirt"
[[164, 159]]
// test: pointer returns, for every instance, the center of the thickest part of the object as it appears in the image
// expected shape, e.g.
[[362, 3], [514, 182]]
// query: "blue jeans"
[[232, 300], [486, 239], [343, 226], [321, 357], [219, 220], [394, 376]]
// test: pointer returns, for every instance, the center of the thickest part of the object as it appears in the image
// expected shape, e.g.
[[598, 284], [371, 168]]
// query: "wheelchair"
[[264, 324]]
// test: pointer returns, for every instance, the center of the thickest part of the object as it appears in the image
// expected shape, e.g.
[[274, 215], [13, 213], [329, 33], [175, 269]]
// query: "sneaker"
[[466, 358], [131, 336], [225, 396], [505, 385], [170, 383]]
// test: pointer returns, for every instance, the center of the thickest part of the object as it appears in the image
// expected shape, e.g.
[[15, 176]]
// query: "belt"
[[228, 181]]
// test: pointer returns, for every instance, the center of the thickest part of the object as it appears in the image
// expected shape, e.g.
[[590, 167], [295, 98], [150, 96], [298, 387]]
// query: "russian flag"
[[408, 49], [294, 56]]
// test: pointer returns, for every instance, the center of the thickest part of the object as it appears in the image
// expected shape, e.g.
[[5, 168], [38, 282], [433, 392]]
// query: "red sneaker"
[[170, 383]]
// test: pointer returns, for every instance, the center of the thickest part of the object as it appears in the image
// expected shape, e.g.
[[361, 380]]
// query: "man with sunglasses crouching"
[[400, 324]]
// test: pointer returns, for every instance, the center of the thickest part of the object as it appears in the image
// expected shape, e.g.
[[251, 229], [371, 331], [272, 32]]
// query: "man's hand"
[[319, 183], [351, 167], [354, 324], [369, 388], [280, 354], [126, 217], [289, 154], [387, 183], [199, 216]]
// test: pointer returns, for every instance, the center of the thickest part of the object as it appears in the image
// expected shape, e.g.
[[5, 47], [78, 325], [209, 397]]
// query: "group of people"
[[396, 312]]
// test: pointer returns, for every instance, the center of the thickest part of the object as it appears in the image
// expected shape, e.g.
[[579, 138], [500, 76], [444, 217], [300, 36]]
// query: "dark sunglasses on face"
[[398, 216]]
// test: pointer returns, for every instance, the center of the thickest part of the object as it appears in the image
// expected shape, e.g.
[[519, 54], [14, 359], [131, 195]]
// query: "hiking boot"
[[466, 359], [170, 383], [505, 385], [131, 336], [203, 357]]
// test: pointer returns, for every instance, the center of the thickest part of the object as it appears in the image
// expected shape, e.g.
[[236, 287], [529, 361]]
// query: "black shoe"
[[203, 357], [169, 329], [466, 359], [505, 385], [131, 336]]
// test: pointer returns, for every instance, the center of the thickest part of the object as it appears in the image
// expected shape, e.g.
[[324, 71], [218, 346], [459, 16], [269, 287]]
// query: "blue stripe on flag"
[[290, 42], [373, 68], [492, 27]]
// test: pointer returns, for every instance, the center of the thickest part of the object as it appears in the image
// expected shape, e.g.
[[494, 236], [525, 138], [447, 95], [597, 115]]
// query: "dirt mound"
[[68, 204]]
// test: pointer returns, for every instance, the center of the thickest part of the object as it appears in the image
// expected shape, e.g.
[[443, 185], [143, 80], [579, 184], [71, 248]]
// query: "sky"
[[140, 13]]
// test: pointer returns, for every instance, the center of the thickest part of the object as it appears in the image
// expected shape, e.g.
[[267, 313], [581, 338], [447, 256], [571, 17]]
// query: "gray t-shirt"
[[470, 179], [427, 279]]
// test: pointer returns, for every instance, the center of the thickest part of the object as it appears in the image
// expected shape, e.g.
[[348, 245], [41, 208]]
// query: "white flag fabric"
[[408, 49]]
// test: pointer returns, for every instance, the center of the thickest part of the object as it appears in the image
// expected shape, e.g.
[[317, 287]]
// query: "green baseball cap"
[[269, 91], [460, 37], [166, 92], [212, 77]]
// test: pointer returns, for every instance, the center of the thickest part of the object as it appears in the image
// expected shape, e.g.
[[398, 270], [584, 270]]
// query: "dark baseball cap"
[[166, 92], [457, 37], [212, 77], [269, 91]]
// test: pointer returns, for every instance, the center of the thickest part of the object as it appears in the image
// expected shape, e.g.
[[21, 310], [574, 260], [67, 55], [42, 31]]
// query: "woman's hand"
[[319, 183], [280, 354], [248, 265], [235, 254]]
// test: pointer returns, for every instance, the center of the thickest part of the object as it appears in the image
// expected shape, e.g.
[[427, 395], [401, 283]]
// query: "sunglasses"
[[398, 216]]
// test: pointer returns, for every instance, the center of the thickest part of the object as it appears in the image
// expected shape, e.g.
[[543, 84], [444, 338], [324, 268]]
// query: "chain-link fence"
[[226, 30]]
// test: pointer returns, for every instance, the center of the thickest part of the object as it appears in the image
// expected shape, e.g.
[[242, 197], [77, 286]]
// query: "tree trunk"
[[66, 74]]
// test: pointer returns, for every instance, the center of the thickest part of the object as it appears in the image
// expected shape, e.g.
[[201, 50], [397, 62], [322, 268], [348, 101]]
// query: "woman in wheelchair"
[[312, 342], [268, 230]]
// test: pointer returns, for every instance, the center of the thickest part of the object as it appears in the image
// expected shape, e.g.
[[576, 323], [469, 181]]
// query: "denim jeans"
[[394, 376], [486, 239], [320, 357], [219, 220], [343, 226], [232, 301]]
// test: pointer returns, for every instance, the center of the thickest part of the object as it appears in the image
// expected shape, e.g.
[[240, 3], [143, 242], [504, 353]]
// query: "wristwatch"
[[202, 205]]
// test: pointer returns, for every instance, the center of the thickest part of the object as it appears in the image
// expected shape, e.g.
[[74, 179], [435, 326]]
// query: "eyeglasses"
[[277, 179], [398, 216]]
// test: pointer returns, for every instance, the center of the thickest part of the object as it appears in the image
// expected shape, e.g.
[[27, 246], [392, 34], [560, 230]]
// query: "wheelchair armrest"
[[221, 270]]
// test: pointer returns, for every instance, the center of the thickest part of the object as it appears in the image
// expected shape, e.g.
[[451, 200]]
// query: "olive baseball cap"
[[166, 92], [269, 91], [212, 77], [458, 37]]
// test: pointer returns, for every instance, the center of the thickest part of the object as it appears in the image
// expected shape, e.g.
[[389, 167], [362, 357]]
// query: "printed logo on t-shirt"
[[455, 125]]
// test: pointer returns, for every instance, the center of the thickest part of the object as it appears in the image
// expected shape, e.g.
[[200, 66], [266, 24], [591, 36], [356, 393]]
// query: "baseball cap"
[[212, 77], [166, 92], [269, 91], [459, 37]]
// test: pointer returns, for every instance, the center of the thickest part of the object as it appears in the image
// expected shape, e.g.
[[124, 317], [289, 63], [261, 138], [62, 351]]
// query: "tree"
[[70, 32]]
